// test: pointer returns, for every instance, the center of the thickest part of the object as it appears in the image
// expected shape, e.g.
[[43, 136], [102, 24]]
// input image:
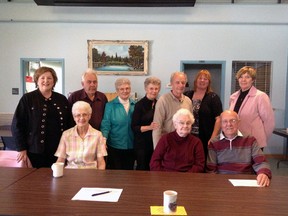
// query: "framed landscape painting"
[[118, 57]]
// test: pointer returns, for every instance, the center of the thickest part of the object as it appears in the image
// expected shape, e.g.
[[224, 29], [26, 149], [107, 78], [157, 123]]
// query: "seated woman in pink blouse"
[[179, 150], [82, 146]]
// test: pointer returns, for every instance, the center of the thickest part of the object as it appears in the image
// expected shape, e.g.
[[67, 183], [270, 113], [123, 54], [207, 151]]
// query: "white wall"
[[204, 32]]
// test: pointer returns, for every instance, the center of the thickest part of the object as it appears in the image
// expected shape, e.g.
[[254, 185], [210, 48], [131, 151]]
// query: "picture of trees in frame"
[[124, 57]]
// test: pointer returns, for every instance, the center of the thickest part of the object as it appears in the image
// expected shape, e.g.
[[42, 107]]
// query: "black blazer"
[[39, 122]]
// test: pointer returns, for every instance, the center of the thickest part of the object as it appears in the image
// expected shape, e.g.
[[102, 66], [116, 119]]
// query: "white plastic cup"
[[169, 201], [57, 169]]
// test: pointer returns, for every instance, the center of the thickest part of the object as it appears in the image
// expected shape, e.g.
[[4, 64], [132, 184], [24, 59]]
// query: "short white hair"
[[183, 112], [81, 105], [89, 71], [179, 73], [121, 81]]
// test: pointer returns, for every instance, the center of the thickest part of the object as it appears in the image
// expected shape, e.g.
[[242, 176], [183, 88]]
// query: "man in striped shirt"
[[232, 153]]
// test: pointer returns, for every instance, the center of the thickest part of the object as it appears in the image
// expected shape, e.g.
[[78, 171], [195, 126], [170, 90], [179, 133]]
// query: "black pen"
[[96, 194]]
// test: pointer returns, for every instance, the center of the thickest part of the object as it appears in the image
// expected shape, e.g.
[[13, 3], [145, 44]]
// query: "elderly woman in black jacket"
[[143, 125]]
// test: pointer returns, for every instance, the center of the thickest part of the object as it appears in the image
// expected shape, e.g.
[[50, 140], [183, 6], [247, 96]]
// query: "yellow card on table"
[[158, 210]]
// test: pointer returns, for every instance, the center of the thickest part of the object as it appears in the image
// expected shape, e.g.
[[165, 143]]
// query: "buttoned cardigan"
[[29, 124]]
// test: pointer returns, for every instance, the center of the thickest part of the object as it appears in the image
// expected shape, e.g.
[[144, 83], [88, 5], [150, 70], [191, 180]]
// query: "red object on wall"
[[29, 79]]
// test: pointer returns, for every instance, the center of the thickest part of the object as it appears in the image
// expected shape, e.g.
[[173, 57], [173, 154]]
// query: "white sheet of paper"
[[86, 194], [244, 183]]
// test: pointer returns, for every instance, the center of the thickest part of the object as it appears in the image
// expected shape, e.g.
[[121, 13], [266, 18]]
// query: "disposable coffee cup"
[[169, 201], [57, 169]]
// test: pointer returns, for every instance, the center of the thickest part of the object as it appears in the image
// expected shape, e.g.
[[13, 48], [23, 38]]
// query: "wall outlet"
[[15, 91]]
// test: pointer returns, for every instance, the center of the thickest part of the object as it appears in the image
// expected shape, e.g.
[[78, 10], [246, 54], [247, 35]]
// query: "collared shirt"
[[97, 105], [245, 157], [222, 136], [81, 153]]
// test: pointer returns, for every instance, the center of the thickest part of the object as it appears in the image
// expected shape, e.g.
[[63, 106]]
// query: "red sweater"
[[175, 153]]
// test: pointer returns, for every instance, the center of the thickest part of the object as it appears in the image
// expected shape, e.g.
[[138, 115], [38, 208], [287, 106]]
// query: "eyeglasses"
[[231, 121], [83, 115], [184, 123]]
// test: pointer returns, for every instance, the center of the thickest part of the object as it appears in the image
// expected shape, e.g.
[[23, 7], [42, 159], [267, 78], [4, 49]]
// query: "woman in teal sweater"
[[116, 127]]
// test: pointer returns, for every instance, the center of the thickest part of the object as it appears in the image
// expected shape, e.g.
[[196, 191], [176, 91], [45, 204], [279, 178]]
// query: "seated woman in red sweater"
[[179, 151]]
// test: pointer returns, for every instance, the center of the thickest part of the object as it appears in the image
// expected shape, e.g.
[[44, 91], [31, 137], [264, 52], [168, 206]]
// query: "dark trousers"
[[41, 160], [120, 159], [143, 157]]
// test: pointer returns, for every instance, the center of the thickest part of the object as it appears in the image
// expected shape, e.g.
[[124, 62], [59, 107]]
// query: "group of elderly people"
[[181, 131]]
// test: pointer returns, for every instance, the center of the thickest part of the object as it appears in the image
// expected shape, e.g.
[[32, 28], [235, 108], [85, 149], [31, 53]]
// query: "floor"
[[283, 167]]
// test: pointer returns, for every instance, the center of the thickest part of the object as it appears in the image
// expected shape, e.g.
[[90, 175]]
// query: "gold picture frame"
[[118, 57]]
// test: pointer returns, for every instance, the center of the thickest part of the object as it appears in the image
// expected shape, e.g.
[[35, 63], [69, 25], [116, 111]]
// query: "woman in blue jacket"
[[116, 127]]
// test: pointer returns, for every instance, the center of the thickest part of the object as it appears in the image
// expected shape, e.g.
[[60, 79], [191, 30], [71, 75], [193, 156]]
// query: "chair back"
[[110, 95], [9, 159], [8, 142]]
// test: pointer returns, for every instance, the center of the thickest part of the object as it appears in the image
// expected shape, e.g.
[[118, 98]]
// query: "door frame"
[[45, 62], [286, 104], [202, 62]]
